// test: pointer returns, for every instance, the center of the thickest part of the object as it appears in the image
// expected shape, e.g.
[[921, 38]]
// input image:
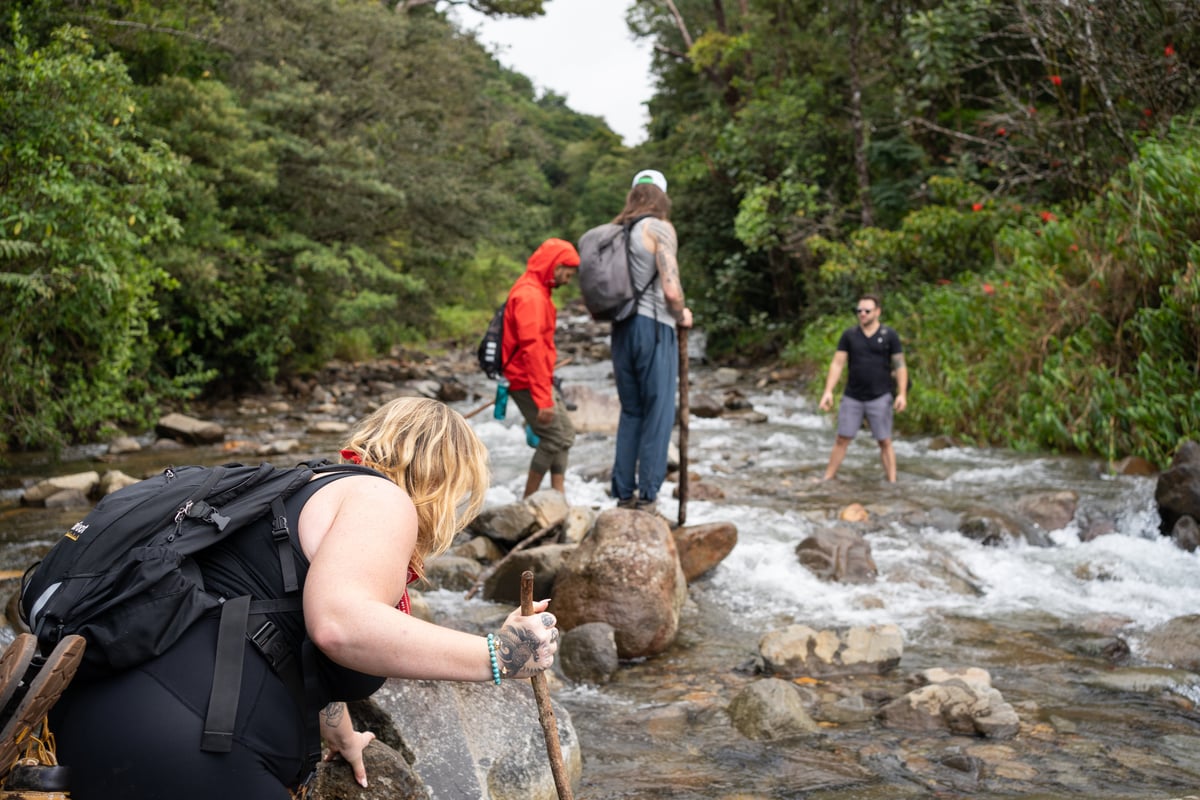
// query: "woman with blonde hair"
[[361, 538]]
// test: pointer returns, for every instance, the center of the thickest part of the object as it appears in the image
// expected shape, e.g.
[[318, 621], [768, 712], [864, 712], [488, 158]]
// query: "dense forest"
[[199, 196]]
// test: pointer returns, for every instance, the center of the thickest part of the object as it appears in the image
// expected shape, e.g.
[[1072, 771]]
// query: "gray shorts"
[[878, 413]]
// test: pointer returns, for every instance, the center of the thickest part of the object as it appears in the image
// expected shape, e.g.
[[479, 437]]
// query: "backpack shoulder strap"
[[637, 293]]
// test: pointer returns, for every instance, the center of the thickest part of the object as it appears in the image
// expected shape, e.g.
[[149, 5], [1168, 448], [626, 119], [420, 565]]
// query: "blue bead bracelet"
[[491, 640]]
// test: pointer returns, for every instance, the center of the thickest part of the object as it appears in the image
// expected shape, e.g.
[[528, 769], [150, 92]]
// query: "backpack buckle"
[[271, 642]]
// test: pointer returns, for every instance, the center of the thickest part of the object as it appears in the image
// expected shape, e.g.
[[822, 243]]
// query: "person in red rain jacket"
[[529, 355]]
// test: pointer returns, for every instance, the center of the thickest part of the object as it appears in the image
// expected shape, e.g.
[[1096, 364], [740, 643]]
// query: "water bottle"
[[531, 438], [501, 409]]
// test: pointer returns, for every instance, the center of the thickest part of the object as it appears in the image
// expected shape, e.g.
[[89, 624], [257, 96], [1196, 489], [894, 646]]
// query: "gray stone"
[[770, 709], [588, 653]]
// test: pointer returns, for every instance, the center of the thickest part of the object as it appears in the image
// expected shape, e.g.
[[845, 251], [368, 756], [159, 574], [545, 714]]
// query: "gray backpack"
[[605, 273]]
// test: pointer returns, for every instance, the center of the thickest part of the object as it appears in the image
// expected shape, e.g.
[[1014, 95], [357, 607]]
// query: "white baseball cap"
[[651, 176]]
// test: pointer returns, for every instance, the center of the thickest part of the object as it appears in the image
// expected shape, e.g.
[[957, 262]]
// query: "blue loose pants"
[[645, 356]]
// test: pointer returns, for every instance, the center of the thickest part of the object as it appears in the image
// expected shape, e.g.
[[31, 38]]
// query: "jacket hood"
[[549, 255]]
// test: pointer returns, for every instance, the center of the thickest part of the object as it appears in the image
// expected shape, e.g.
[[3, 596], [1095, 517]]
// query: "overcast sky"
[[580, 49]]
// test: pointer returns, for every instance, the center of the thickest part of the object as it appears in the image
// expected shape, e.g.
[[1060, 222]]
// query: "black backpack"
[[606, 272], [123, 578], [491, 346]]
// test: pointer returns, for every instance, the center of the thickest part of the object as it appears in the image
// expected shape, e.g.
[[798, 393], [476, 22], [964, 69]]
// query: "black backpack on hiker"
[[124, 578], [489, 352], [606, 272]]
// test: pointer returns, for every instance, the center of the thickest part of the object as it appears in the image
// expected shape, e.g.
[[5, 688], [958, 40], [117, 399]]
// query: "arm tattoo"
[[515, 649], [331, 715], [897, 361], [666, 248]]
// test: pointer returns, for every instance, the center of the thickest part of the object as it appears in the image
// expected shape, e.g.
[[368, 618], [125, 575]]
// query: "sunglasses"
[[863, 310]]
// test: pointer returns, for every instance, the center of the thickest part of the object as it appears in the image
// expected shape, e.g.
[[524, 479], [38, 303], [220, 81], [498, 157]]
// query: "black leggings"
[[137, 736]]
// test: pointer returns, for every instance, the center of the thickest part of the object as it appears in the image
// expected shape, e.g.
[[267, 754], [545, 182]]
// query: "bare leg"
[[835, 458], [533, 482], [888, 456], [556, 482]]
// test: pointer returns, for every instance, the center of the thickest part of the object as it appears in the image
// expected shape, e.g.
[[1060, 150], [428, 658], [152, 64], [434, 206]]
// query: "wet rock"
[[67, 498], [954, 705], [1132, 465], [1051, 511], [507, 523], [475, 740], [112, 480], [838, 554], [770, 709], [626, 573], [549, 507], [189, 429], [595, 412], [701, 490], [122, 445], [1186, 534], [452, 572], [1144, 680], [577, 524], [1177, 492], [798, 650], [855, 512], [588, 653], [1175, 642], [389, 777], [702, 547], [545, 562], [82, 482], [993, 528], [704, 406]]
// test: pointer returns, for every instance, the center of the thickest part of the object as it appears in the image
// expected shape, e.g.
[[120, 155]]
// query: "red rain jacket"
[[530, 319]]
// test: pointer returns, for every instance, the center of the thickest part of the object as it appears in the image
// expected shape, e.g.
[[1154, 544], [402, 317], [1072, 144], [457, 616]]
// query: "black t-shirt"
[[869, 361]]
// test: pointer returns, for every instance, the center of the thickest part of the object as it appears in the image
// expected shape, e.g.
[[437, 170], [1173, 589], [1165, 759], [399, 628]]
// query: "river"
[[1041, 620]]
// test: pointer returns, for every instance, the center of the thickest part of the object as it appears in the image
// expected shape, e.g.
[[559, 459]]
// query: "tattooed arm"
[[337, 729], [659, 238]]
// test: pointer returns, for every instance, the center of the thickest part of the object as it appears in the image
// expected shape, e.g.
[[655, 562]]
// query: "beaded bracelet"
[[491, 642]]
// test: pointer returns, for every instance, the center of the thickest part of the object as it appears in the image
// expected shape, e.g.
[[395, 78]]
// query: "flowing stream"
[[1042, 620]]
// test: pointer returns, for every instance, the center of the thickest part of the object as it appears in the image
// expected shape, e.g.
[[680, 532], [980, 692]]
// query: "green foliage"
[[1082, 336], [87, 196]]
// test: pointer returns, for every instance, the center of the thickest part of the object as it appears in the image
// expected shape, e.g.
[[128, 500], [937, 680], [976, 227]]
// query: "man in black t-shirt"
[[874, 354]]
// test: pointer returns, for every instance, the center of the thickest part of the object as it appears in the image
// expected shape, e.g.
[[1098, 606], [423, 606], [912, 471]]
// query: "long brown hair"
[[643, 199]]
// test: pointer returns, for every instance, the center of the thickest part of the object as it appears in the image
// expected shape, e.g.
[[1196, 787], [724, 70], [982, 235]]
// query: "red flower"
[[977, 207], [1149, 112], [988, 289], [1047, 216], [1032, 110], [1169, 51], [1074, 248], [1001, 132], [1056, 80]]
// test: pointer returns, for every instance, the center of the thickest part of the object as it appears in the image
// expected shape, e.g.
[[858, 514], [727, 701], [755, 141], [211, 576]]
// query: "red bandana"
[[351, 456]]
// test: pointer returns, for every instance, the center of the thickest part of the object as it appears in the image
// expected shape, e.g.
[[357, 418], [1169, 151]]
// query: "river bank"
[[1064, 626]]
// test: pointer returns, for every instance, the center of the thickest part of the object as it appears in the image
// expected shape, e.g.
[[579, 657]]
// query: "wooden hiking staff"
[[541, 693], [683, 426]]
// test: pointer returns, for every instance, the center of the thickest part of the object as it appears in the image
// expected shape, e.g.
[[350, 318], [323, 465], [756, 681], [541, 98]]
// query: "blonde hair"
[[429, 450]]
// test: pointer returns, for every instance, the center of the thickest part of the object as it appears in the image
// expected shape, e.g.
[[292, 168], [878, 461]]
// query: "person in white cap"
[[645, 346]]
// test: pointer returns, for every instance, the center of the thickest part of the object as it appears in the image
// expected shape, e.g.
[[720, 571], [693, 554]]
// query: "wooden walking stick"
[[541, 693], [683, 426]]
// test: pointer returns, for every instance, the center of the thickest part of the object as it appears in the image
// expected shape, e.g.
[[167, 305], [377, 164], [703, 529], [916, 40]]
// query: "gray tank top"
[[652, 303]]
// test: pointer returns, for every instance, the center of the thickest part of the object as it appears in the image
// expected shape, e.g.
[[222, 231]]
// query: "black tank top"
[[248, 563]]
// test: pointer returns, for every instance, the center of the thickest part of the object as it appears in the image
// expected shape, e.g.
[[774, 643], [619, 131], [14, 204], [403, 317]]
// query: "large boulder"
[[1177, 492], [625, 573], [472, 739]]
